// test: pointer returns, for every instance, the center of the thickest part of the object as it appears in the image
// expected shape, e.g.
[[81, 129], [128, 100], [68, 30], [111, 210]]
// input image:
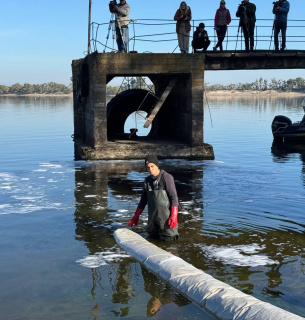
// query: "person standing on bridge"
[[183, 17], [121, 12], [246, 13], [221, 21], [280, 9], [159, 192]]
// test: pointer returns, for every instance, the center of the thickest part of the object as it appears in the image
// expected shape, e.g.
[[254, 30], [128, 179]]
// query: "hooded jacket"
[[187, 12]]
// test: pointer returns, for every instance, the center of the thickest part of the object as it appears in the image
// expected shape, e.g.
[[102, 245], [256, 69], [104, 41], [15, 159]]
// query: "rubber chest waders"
[[158, 215]]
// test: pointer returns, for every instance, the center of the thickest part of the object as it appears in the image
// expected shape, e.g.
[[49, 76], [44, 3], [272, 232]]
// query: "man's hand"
[[173, 218], [135, 219]]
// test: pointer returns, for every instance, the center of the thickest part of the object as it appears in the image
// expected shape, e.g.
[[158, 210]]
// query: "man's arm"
[[285, 7], [123, 10]]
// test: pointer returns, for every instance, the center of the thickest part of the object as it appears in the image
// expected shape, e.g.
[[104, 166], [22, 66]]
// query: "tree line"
[[290, 85], [45, 88]]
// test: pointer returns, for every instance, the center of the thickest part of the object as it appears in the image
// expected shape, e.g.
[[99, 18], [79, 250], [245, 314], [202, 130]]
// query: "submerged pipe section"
[[213, 296]]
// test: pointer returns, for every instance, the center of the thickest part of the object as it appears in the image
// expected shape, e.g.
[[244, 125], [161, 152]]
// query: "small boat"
[[285, 131]]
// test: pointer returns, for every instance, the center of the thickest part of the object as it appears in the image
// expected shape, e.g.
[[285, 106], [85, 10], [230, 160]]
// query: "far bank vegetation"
[[277, 85]]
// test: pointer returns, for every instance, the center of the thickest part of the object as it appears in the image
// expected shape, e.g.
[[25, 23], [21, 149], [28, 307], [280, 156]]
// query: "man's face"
[[152, 169], [122, 1]]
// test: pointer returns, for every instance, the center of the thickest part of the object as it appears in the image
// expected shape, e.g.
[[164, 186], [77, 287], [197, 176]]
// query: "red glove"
[[173, 218], [134, 220]]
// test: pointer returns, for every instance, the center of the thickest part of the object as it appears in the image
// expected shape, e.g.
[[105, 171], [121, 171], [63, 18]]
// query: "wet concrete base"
[[138, 149]]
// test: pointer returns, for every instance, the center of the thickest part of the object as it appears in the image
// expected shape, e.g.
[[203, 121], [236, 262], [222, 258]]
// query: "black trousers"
[[221, 33], [248, 30], [200, 43]]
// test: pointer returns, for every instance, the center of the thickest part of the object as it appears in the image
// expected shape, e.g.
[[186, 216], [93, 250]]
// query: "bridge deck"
[[258, 59]]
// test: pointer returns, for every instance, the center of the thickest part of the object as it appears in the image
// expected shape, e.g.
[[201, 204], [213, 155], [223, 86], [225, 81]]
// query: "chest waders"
[[158, 215]]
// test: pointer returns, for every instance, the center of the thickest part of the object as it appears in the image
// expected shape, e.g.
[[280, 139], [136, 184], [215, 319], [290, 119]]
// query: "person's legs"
[[184, 39], [283, 31], [197, 44], [251, 35], [119, 40], [125, 33], [221, 33], [276, 35], [206, 44], [246, 36]]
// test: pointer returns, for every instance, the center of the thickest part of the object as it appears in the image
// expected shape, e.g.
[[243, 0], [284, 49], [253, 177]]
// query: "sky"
[[39, 39]]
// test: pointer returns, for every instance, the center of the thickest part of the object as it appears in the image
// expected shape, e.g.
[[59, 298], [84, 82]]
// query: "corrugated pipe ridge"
[[213, 296]]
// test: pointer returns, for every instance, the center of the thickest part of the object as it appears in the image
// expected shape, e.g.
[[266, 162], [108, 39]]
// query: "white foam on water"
[[50, 165], [99, 208], [187, 202], [40, 170], [101, 259], [245, 255], [25, 179], [183, 212], [6, 187], [122, 210], [90, 196]]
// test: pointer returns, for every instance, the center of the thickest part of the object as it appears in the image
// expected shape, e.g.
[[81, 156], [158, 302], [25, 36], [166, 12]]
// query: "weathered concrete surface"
[[241, 60], [178, 128]]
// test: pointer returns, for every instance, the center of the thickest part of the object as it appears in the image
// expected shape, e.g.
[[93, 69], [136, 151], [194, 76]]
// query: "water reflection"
[[106, 196], [283, 152], [241, 243]]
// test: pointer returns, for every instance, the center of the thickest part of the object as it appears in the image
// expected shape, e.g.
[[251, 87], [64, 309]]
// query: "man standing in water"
[[159, 192]]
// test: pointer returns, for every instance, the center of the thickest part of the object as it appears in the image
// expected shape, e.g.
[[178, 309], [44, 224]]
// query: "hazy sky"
[[39, 39]]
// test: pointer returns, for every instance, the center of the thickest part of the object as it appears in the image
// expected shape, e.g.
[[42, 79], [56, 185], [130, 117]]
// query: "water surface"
[[241, 216]]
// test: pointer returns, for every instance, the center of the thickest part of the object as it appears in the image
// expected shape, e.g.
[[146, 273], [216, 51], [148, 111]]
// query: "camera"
[[242, 5], [112, 4], [276, 4]]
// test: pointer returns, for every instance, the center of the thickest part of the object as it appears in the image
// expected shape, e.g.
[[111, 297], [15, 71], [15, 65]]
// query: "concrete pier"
[[176, 131]]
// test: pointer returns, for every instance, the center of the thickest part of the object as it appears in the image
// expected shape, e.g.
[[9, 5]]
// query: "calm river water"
[[241, 216]]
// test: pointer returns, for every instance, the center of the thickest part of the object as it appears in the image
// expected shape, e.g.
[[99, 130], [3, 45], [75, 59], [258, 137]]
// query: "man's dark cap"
[[152, 159], [201, 25]]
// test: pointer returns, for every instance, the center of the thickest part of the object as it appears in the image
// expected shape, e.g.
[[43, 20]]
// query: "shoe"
[[214, 48]]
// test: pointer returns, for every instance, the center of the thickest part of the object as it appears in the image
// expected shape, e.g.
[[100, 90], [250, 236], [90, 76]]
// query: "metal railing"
[[159, 36]]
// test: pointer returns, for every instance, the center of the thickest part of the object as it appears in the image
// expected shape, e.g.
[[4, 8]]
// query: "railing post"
[[89, 25]]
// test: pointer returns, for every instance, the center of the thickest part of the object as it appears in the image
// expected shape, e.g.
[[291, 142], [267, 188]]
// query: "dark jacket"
[[282, 14], [198, 34], [250, 13]]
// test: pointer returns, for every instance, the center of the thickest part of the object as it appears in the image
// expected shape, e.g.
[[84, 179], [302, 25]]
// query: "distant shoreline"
[[254, 93], [38, 95], [209, 93]]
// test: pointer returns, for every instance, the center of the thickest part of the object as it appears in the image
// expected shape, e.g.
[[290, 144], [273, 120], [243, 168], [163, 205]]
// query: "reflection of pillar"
[[161, 293], [91, 200], [122, 292]]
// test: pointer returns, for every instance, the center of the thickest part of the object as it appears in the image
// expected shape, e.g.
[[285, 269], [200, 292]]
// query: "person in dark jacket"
[[280, 9], [200, 38], [222, 19], [246, 13], [159, 192]]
